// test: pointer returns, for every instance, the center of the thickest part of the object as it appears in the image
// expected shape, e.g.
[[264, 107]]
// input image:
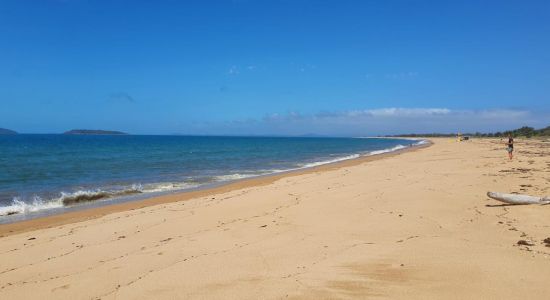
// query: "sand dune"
[[416, 225]]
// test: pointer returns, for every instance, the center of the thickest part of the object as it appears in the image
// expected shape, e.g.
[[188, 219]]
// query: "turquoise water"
[[41, 173]]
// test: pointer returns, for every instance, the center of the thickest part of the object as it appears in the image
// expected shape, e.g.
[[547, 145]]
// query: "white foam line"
[[320, 163], [235, 176]]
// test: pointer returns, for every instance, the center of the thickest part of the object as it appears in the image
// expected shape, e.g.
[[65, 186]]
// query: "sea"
[[44, 174]]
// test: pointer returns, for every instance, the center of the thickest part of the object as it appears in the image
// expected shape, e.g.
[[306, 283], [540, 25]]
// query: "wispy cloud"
[[402, 75], [233, 70], [121, 97], [398, 112], [379, 121], [236, 70], [305, 67]]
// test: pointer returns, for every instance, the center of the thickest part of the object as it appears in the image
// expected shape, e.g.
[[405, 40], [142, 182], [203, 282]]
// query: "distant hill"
[[7, 131], [93, 132]]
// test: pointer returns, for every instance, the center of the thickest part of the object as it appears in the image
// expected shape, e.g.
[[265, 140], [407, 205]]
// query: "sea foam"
[[20, 207]]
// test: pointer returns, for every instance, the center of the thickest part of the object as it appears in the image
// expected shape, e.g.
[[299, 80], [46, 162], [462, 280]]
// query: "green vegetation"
[[524, 131]]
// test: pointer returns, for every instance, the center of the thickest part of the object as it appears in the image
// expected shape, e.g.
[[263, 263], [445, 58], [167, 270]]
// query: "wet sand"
[[413, 225]]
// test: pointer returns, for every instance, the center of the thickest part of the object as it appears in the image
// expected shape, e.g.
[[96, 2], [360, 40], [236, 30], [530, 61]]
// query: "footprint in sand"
[[63, 287]]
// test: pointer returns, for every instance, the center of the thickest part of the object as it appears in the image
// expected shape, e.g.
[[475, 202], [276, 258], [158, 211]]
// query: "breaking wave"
[[398, 147], [20, 207], [235, 176], [320, 163], [87, 196], [65, 199]]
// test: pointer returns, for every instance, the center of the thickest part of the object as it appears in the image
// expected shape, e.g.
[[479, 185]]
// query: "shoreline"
[[88, 213], [412, 225]]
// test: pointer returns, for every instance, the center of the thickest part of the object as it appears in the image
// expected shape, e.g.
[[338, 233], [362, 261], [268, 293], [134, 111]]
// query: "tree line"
[[525, 131]]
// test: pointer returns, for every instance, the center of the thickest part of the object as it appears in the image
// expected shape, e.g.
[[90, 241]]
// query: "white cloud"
[[503, 113], [398, 112], [381, 121], [234, 70]]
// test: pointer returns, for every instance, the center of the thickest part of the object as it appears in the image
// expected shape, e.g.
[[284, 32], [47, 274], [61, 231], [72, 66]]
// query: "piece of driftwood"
[[518, 198]]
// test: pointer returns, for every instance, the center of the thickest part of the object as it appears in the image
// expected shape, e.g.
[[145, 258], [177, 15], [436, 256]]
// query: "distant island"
[[7, 131], [93, 132]]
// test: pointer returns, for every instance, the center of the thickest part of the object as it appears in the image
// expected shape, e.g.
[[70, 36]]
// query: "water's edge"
[[82, 200]]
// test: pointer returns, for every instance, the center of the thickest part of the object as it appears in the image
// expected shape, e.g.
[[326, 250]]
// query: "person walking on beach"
[[510, 148]]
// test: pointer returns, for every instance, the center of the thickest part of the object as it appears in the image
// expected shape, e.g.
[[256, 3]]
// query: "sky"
[[279, 67]]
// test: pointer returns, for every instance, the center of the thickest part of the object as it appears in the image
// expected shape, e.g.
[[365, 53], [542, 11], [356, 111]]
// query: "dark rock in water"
[[88, 196], [93, 132], [84, 197], [7, 131]]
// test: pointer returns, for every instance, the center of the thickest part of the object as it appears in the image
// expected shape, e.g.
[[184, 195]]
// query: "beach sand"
[[416, 225]]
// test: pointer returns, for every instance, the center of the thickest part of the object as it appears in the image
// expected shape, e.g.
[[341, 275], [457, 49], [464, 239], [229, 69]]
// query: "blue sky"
[[285, 67]]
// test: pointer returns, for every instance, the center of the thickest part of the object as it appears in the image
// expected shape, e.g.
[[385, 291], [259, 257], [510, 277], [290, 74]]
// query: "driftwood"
[[518, 198]]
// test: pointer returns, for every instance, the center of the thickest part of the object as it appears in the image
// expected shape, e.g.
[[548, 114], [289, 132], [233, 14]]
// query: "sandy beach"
[[412, 225]]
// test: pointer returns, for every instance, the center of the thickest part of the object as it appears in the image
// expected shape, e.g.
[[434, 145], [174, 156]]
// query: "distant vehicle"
[[460, 137]]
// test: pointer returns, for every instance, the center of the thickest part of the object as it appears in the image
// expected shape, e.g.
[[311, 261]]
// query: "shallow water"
[[47, 172]]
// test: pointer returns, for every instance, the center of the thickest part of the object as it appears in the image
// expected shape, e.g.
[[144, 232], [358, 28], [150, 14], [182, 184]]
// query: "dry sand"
[[411, 226]]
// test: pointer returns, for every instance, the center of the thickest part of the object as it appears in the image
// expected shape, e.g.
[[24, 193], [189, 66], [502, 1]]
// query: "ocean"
[[48, 174]]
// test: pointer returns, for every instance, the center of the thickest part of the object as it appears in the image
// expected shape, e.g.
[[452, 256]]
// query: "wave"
[[87, 196], [167, 186], [238, 176], [421, 142], [235, 176], [65, 199], [324, 162], [398, 147], [418, 142], [20, 207]]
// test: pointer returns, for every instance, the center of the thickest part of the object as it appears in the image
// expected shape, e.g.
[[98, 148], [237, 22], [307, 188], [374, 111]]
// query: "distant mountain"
[[93, 132], [7, 131]]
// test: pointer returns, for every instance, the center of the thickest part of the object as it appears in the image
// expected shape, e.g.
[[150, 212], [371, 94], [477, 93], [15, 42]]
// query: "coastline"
[[86, 213], [414, 225]]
